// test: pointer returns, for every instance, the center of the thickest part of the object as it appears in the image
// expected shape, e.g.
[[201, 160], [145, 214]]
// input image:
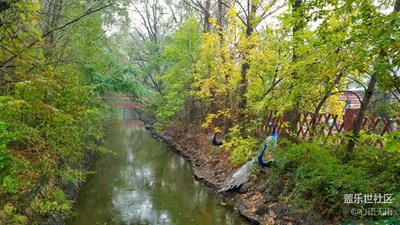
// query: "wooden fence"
[[328, 124]]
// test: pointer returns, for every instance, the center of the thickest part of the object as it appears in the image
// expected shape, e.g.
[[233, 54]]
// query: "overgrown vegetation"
[[225, 65], [316, 177], [55, 75], [230, 67]]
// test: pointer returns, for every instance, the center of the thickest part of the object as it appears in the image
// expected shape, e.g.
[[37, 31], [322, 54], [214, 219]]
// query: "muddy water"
[[145, 183]]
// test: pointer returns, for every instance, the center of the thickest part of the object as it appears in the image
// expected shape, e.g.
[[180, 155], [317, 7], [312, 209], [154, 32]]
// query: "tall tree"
[[292, 115], [381, 51], [151, 25]]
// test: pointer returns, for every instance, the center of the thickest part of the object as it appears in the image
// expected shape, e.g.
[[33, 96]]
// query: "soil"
[[211, 165]]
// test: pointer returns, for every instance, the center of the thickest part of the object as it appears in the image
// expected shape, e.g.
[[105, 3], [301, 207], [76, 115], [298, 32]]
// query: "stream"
[[145, 183]]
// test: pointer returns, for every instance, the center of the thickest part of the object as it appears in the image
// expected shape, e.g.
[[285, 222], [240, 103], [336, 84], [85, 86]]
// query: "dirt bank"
[[211, 165]]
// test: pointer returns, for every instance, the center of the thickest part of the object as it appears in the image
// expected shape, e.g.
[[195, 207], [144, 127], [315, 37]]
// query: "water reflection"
[[145, 183]]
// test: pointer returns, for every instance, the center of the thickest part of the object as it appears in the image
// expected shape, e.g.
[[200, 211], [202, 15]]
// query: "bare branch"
[[173, 13], [244, 11], [265, 14], [194, 6], [87, 13], [145, 22], [241, 19], [352, 92]]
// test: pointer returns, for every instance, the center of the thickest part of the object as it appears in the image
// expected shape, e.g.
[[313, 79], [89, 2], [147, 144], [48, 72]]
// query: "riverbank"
[[211, 165]]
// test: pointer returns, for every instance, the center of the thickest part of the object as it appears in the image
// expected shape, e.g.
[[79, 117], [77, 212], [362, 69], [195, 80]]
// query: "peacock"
[[271, 141], [215, 141], [241, 176]]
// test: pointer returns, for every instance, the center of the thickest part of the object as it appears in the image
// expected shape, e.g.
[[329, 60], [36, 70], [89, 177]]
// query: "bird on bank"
[[269, 141], [215, 141], [241, 176]]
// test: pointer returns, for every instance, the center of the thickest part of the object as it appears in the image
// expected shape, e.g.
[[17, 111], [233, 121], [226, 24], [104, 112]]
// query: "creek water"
[[145, 183]]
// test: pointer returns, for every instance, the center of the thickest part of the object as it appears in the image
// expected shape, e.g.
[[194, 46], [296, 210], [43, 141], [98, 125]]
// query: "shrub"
[[243, 148], [316, 178]]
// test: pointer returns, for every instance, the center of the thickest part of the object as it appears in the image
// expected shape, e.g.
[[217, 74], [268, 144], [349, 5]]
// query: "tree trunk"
[[220, 15], [207, 25], [365, 104], [297, 26], [252, 9], [321, 103], [361, 115], [242, 90], [292, 115]]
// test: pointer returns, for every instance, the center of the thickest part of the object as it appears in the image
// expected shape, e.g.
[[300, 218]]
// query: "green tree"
[[183, 52]]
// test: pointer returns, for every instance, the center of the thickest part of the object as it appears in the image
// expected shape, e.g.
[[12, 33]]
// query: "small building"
[[352, 98]]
